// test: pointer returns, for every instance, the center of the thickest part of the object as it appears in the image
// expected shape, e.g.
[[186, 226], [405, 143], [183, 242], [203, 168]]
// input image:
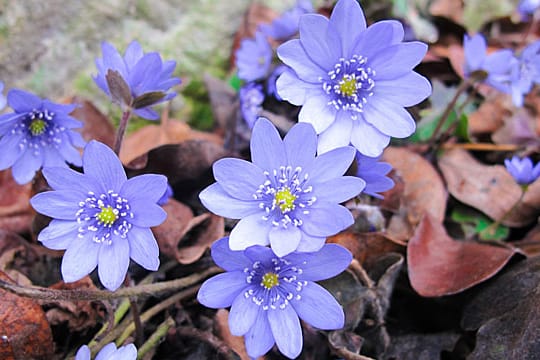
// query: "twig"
[[349, 355], [359, 271], [156, 337], [208, 338]]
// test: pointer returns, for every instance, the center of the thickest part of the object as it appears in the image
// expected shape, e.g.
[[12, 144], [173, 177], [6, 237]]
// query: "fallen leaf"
[[423, 192], [506, 313], [520, 129], [15, 209], [421, 346], [96, 125], [490, 115], [439, 265], [78, 315], [234, 342], [489, 188], [170, 131], [450, 9], [24, 327]]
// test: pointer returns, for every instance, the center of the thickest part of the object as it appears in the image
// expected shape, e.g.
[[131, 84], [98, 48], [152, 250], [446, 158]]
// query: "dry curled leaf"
[[96, 125], [24, 327], [439, 265], [489, 188], [423, 192], [15, 210]]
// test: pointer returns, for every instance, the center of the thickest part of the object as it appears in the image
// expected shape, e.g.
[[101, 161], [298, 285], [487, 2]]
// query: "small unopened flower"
[[109, 352], [268, 294], [253, 58], [286, 26], [100, 217], [251, 99], [353, 82], [373, 172], [38, 133], [522, 170], [494, 69], [287, 197], [526, 73], [137, 80]]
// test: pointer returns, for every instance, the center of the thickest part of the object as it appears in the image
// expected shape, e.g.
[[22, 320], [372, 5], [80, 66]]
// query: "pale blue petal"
[[376, 37], [239, 178], [83, 353], [325, 219], [367, 139], [317, 112], [287, 332], [407, 90], [338, 134], [133, 53], [243, 314], [102, 164], [331, 164], [338, 189], [220, 291], [313, 29], [259, 339], [61, 204], [348, 19], [63, 178], [11, 150], [215, 199], [397, 60], [292, 53], [59, 234], [310, 243], [143, 248], [146, 187], [25, 168], [107, 352], [146, 113], [318, 308], [146, 214], [329, 261], [291, 88], [228, 259], [389, 118], [23, 101], [113, 263], [300, 145], [267, 149], [284, 241], [251, 230], [80, 259]]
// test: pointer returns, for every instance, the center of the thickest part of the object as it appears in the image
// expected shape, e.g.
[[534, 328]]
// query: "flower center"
[[107, 216], [349, 84], [269, 280], [37, 127], [285, 199], [285, 196]]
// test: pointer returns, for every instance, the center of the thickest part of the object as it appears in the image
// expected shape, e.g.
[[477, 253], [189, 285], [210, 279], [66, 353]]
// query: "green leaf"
[[476, 13], [235, 82], [473, 223]]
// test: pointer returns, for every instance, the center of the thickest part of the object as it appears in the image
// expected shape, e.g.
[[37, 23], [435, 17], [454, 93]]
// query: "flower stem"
[[36, 292], [121, 131], [156, 337]]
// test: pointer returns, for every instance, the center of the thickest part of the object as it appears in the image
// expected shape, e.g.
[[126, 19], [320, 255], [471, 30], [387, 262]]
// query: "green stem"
[[156, 337], [36, 292], [121, 131]]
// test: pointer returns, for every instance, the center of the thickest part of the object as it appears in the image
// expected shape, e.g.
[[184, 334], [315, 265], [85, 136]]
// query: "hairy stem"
[[121, 131]]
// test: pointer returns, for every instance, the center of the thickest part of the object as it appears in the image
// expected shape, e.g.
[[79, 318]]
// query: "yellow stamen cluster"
[[285, 200], [37, 127], [347, 86], [269, 280], [107, 216]]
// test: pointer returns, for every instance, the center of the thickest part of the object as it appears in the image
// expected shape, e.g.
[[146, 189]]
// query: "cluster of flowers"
[[503, 70]]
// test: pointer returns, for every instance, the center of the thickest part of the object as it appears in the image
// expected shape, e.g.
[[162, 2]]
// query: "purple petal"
[[376, 37], [25, 168], [389, 118], [313, 29], [147, 113], [318, 308], [83, 353], [261, 254], [292, 53], [243, 314], [284, 241], [239, 178], [147, 187], [61, 204], [267, 150], [143, 248], [349, 21], [331, 164], [300, 145], [285, 327], [317, 112], [112, 59], [407, 90], [475, 52], [146, 214], [22, 101], [329, 261], [397, 60], [102, 164], [228, 259], [338, 134], [113, 263], [80, 259], [368, 140], [325, 219], [59, 234], [251, 230], [11, 151], [310, 243], [259, 339], [291, 88], [220, 291], [107, 352], [133, 53], [63, 178], [215, 199], [339, 189]]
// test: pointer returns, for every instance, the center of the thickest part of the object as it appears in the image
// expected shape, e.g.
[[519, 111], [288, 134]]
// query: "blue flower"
[[253, 58], [3, 99], [100, 217], [373, 172], [287, 197], [527, 7], [353, 82], [268, 294], [271, 82], [251, 99], [37, 134], [498, 65], [526, 72], [144, 74], [522, 170], [109, 352], [286, 26]]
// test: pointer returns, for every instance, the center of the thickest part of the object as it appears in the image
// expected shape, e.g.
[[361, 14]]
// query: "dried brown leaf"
[[24, 327], [439, 265], [491, 115], [96, 125], [450, 9], [489, 188]]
